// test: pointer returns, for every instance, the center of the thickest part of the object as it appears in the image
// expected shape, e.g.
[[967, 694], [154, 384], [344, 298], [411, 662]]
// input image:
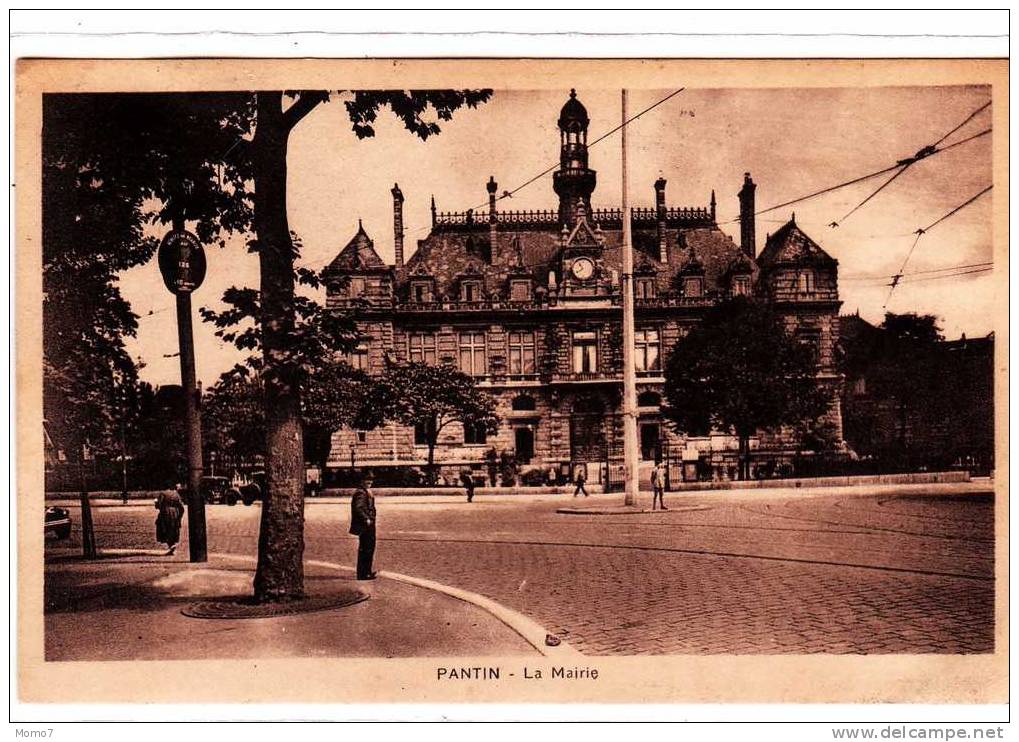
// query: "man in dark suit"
[[468, 482], [362, 525]]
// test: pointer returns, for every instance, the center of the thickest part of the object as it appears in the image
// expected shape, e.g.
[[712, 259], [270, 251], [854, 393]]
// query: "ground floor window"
[[524, 440]]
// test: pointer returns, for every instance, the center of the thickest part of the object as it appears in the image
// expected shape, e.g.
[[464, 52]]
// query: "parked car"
[[253, 490], [219, 489], [58, 522]]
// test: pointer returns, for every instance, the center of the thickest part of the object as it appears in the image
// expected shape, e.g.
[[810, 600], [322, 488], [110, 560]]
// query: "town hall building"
[[529, 304]]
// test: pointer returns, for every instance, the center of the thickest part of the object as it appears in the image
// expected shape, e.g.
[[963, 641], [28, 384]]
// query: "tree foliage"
[[740, 371], [914, 391], [431, 397], [115, 166], [335, 395]]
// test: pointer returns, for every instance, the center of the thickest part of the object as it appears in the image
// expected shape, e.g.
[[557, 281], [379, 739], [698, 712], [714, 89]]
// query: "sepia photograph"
[[513, 381]]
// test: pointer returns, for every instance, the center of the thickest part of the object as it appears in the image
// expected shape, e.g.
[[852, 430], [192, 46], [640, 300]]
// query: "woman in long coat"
[[171, 511]]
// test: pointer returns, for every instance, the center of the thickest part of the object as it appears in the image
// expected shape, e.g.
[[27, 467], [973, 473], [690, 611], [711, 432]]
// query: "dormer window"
[[520, 289], [693, 286], [470, 291], [741, 286], [421, 291], [645, 288]]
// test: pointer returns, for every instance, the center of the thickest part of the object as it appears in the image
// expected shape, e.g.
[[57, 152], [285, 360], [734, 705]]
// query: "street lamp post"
[[182, 263]]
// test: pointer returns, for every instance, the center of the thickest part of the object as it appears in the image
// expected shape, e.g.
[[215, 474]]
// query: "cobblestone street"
[[746, 573]]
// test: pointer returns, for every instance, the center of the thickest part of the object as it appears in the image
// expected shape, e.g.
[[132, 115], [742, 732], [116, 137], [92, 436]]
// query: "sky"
[[792, 141]]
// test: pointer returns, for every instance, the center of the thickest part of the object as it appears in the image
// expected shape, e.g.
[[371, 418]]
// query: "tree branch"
[[305, 104]]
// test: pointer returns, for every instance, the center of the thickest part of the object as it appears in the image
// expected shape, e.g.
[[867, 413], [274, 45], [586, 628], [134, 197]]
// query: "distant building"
[[937, 413], [529, 303]]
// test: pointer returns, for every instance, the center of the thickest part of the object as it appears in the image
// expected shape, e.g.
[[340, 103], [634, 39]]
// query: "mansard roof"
[[534, 249], [358, 256], [790, 245]]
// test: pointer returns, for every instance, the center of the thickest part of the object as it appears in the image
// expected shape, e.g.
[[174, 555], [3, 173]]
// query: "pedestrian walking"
[[468, 482], [171, 512], [658, 486], [362, 525], [580, 476]]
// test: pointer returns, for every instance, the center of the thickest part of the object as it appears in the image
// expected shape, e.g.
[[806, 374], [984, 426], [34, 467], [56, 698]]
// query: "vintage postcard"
[[512, 381]]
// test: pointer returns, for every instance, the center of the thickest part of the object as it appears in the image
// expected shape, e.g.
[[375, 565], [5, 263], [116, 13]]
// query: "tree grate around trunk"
[[247, 608]]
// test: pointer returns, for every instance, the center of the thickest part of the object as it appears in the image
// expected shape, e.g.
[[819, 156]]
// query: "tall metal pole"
[[631, 472], [197, 547]]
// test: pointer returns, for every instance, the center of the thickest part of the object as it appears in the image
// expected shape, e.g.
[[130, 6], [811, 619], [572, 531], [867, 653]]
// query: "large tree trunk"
[[430, 469], [280, 573], [432, 434], [88, 533]]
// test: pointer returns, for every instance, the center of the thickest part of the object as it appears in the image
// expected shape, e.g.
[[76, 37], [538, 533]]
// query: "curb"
[[532, 632], [624, 510]]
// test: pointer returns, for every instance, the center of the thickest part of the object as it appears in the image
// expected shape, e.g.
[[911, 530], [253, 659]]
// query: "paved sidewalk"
[[775, 489], [127, 606], [850, 571]]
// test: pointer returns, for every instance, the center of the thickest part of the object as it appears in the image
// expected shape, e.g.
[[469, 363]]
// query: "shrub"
[[534, 478]]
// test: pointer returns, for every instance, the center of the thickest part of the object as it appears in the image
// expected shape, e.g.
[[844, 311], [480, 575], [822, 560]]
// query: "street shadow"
[[108, 596]]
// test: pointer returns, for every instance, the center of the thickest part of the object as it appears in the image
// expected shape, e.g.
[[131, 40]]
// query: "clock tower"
[[580, 259], [574, 181]]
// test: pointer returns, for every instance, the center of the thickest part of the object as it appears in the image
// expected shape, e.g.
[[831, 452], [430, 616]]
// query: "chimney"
[[663, 249], [493, 254], [713, 204], [397, 225], [747, 228], [491, 186]]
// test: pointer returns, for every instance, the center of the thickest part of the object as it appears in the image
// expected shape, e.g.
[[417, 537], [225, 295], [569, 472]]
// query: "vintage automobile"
[[219, 489], [58, 522], [253, 488]]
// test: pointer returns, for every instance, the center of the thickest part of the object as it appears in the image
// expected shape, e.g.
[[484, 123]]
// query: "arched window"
[[524, 403], [649, 399]]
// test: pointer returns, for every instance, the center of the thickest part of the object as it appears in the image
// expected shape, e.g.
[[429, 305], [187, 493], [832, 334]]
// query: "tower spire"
[[574, 179]]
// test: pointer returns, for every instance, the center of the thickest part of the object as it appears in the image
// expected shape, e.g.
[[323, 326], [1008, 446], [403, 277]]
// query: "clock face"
[[583, 268]]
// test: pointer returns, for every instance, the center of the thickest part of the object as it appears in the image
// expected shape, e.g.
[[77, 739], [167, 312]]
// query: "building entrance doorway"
[[587, 430], [524, 438], [650, 434]]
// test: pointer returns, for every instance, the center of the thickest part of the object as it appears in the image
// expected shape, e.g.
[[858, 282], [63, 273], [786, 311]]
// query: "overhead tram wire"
[[917, 273], [921, 232], [968, 119], [546, 171], [880, 281], [861, 178], [951, 275], [908, 162], [606, 135]]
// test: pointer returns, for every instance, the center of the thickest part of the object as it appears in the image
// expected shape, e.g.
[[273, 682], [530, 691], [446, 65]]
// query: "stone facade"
[[530, 303]]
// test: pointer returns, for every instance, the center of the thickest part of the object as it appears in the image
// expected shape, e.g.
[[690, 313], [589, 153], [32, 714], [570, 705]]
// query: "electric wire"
[[921, 232]]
